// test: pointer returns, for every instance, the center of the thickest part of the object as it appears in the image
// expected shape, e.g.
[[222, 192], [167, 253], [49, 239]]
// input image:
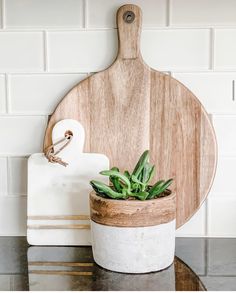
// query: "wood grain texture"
[[53, 227], [64, 273], [60, 264], [130, 107], [57, 217], [186, 279], [132, 213]]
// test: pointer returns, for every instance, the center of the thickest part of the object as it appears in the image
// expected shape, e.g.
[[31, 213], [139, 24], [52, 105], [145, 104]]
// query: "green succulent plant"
[[134, 185]]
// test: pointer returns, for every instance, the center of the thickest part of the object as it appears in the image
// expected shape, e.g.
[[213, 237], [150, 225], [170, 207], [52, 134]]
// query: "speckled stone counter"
[[200, 264]]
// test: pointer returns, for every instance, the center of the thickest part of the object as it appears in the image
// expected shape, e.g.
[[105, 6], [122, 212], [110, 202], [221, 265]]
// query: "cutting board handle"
[[77, 143], [129, 22]]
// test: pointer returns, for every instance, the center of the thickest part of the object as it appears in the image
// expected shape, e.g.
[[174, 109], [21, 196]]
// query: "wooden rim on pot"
[[132, 213]]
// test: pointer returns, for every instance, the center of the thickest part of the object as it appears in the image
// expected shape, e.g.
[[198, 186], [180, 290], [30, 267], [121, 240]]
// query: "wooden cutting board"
[[58, 197], [130, 107]]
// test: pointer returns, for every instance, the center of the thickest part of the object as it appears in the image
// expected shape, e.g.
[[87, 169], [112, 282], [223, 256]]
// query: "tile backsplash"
[[46, 47]]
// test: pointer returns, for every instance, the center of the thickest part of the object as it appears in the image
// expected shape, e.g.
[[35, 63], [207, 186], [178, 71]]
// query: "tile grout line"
[[6, 96], [163, 70], [173, 70], [3, 14], [8, 99], [15, 155], [8, 176], [99, 29], [233, 90], [29, 115], [85, 18], [212, 49], [168, 12], [43, 73], [206, 218], [45, 50]]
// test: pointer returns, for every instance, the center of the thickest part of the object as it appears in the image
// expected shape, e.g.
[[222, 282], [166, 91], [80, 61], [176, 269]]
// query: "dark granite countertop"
[[200, 264]]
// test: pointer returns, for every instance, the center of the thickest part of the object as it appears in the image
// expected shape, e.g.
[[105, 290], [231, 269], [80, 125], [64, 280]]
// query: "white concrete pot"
[[133, 236]]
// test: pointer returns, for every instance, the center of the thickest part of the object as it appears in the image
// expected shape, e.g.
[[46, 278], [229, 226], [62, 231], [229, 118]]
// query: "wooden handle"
[[129, 22]]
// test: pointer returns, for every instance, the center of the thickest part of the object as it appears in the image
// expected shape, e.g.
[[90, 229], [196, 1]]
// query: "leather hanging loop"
[[52, 156]]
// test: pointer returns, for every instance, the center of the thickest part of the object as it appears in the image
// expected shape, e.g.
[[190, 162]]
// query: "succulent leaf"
[[103, 188], [132, 185], [117, 174], [141, 163], [115, 181], [127, 174], [155, 188]]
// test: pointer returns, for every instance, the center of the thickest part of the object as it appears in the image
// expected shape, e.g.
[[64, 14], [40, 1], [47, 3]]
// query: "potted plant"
[[133, 222]]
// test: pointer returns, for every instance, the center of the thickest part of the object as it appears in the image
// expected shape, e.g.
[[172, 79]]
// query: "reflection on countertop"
[[200, 264]]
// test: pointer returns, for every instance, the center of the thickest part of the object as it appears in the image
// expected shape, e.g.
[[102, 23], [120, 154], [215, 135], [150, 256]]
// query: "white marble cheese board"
[[58, 196]]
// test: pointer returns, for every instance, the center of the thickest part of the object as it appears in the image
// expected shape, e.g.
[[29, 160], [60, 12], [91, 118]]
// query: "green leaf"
[[140, 175], [127, 174], [151, 174], [145, 172], [135, 186], [148, 172], [165, 186], [141, 195], [102, 188], [140, 184], [117, 174], [160, 189], [136, 180], [155, 188], [115, 181], [141, 163]]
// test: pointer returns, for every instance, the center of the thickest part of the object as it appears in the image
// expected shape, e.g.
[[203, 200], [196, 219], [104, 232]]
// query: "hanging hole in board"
[[129, 16], [68, 134]]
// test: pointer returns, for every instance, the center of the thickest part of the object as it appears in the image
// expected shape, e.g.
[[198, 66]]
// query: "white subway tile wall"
[[21, 51], [225, 174], [224, 49], [215, 90], [17, 168], [225, 129], [202, 12], [102, 13], [13, 214], [3, 177], [221, 216], [1, 20], [21, 134], [196, 226], [84, 51], [49, 13], [166, 49], [39, 94], [2, 94], [46, 47]]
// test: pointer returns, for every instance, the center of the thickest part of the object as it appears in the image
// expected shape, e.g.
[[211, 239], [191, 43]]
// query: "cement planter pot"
[[132, 236]]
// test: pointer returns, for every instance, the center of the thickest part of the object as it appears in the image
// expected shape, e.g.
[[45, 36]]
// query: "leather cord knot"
[[49, 152]]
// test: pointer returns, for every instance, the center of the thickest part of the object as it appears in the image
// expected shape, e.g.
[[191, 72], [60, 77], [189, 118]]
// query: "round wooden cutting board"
[[130, 107]]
